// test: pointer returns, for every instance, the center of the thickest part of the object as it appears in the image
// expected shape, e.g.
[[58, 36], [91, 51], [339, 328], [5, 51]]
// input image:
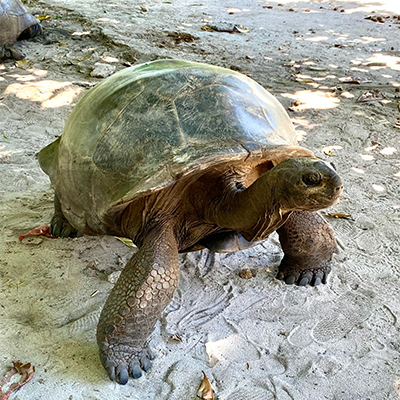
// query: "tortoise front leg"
[[59, 225], [308, 243], [144, 289]]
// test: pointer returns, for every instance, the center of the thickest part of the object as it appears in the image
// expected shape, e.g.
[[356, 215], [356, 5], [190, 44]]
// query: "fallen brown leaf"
[[370, 95], [43, 230], [26, 370], [339, 215], [24, 64], [205, 391], [177, 337]]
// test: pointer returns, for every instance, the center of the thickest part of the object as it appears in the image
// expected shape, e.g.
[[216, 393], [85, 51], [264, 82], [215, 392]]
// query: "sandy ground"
[[256, 339]]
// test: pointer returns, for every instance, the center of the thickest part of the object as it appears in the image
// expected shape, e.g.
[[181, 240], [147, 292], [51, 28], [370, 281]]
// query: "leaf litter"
[[26, 372], [205, 391]]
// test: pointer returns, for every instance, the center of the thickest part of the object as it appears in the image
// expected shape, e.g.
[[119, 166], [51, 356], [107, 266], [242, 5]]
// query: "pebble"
[[113, 277], [363, 222], [102, 70], [246, 273]]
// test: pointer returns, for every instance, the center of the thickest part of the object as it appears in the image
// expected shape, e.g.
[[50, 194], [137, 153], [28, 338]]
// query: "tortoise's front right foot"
[[122, 361], [308, 243]]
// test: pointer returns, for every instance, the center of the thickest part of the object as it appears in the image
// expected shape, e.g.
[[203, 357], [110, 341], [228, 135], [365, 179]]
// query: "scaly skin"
[[282, 199], [144, 289], [308, 243]]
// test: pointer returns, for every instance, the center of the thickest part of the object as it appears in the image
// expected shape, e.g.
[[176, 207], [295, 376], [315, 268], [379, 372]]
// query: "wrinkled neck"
[[253, 212]]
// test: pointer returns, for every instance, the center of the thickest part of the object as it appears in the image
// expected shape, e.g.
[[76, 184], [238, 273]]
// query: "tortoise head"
[[309, 184]]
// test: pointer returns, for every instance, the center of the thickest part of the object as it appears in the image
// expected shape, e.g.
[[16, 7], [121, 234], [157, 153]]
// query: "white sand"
[[256, 339]]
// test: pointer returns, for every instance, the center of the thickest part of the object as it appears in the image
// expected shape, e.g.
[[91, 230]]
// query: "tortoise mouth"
[[327, 199]]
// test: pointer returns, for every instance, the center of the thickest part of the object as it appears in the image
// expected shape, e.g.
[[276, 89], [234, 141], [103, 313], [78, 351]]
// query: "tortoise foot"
[[31, 32], [302, 277], [123, 361], [60, 227]]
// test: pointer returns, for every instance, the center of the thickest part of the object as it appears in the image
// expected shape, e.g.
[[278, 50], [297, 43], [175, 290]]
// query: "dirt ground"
[[256, 339]]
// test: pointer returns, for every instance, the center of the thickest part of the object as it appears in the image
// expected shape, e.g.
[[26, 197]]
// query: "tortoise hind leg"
[[59, 225], [143, 290], [308, 243]]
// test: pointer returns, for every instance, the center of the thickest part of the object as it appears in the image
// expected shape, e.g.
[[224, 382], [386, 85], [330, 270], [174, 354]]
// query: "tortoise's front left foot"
[[308, 243], [123, 361], [59, 225], [302, 277]]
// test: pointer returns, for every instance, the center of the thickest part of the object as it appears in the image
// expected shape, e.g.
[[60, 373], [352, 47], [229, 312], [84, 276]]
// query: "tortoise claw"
[[121, 362], [303, 282], [318, 276], [122, 374], [317, 281], [290, 280], [136, 371], [110, 370], [294, 275], [145, 363], [307, 276]]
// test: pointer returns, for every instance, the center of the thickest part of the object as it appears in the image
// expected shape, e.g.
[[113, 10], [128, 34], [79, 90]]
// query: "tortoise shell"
[[149, 125], [14, 19]]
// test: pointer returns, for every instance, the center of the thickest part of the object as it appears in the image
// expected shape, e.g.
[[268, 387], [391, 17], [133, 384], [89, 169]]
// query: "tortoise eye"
[[312, 179]]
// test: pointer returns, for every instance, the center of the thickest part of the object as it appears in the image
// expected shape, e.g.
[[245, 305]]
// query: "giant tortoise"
[[15, 24], [179, 156]]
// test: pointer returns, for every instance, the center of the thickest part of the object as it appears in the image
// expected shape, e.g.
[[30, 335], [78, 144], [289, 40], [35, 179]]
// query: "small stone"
[[102, 70], [113, 277], [364, 223], [246, 273]]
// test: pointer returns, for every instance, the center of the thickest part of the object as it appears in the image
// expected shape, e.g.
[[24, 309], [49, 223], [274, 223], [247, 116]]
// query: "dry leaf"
[[351, 79], [205, 391], [224, 27], [26, 371], [43, 17], [126, 241], [24, 64], [177, 337], [370, 95], [43, 230], [339, 215]]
